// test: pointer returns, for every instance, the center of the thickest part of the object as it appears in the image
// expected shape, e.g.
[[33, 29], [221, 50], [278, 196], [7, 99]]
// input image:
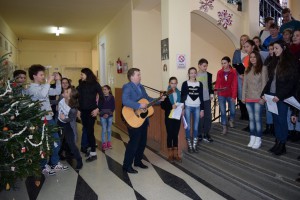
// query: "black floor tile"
[[32, 190], [84, 191], [176, 183], [117, 169]]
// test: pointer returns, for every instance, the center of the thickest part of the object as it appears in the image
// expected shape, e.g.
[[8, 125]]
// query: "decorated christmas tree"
[[24, 137]]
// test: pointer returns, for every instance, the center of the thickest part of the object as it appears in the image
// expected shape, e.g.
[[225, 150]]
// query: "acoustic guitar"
[[135, 118]]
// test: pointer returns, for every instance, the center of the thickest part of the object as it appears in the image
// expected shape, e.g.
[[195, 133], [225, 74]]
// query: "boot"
[[170, 155], [176, 156], [252, 141], [224, 130], [280, 149], [195, 145], [189, 144], [275, 146], [267, 131], [257, 143]]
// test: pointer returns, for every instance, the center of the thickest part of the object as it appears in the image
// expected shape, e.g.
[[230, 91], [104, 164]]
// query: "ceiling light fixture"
[[57, 31]]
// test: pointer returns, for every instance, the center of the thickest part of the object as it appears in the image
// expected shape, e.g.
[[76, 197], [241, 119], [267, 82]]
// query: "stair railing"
[[270, 8]]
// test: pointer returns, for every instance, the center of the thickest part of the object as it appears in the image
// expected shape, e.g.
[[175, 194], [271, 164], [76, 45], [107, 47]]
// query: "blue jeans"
[[106, 124], [54, 158], [292, 126], [222, 103], [195, 111], [240, 86], [280, 122], [269, 116], [255, 122]]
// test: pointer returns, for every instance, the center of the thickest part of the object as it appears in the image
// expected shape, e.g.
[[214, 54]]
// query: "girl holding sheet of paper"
[[254, 81], [283, 78], [172, 125]]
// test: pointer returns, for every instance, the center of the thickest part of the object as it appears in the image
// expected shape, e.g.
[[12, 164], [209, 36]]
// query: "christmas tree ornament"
[[7, 187], [37, 183], [12, 168], [30, 137], [12, 117], [5, 128], [29, 161], [42, 154], [23, 150]]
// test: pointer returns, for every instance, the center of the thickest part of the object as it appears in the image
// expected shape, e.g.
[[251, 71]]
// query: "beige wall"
[[65, 57], [146, 36], [8, 37], [294, 5], [210, 42], [117, 36], [202, 48]]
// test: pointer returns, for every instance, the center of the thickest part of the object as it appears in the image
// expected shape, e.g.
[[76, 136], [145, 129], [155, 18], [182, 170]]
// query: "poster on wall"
[[181, 60], [165, 49]]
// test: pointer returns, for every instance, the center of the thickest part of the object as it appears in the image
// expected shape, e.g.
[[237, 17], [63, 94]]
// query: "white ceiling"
[[81, 19]]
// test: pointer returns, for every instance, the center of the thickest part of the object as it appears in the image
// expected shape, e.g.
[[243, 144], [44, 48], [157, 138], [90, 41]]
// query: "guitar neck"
[[154, 101]]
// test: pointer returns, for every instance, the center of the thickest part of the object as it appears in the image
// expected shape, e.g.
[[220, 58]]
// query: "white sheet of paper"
[[176, 113], [272, 106], [293, 102], [185, 125]]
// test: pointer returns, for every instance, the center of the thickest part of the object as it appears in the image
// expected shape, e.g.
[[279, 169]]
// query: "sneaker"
[[109, 145], [104, 147], [207, 139], [59, 167], [48, 171], [91, 158]]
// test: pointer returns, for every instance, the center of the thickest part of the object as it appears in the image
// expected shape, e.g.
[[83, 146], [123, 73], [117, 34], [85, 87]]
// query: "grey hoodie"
[[41, 92]]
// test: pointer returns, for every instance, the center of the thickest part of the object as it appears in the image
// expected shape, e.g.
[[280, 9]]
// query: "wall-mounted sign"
[[181, 60]]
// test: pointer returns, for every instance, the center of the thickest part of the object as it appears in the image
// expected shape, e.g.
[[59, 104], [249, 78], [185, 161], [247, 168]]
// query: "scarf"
[[171, 96]]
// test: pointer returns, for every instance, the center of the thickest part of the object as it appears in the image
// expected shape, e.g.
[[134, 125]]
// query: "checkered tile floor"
[[105, 179]]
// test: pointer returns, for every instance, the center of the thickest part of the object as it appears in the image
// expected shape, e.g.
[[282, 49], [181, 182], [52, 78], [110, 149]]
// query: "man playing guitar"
[[133, 91]]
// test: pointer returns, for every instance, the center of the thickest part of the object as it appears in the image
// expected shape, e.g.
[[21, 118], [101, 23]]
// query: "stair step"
[[247, 157], [252, 180], [244, 173]]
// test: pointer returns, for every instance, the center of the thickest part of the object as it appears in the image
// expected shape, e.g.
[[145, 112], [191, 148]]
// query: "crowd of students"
[[65, 104], [271, 61]]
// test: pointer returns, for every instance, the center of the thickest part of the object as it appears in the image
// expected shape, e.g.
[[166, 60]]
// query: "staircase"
[[230, 167]]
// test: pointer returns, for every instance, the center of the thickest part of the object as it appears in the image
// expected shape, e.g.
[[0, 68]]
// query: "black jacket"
[[285, 85], [87, 95]]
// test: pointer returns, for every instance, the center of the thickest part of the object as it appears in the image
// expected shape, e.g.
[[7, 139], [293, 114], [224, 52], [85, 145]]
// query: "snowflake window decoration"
[[206, 4], [225, 18]]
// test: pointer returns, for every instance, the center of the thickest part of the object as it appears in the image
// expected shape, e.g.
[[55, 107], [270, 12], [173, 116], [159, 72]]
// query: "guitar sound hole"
[[144, 114]]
